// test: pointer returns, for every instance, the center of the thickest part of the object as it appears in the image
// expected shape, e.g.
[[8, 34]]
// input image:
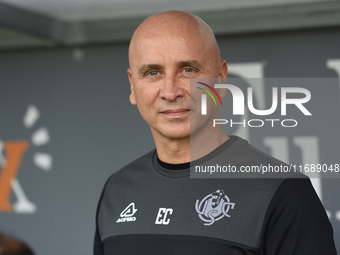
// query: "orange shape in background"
[[14, 152]]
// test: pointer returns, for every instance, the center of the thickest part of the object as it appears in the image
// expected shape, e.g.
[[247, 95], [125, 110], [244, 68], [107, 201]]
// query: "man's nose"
[[171, 89]]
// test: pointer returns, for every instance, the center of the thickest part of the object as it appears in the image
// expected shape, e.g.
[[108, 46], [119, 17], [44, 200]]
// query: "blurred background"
[[66, 123]]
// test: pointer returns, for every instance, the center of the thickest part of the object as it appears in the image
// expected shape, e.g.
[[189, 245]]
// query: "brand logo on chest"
[[127, 213]]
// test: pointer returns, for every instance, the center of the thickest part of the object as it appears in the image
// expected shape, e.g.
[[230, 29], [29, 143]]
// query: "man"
[[12, 246], [151, 206]]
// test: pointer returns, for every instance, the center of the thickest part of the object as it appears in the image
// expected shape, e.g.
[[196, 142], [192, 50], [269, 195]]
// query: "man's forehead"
[[158, 44], [169, 50]]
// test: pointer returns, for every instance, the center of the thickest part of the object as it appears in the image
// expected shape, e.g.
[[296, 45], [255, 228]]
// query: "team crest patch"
[[214, 207]]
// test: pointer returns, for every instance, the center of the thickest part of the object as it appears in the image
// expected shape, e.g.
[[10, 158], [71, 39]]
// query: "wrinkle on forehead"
[[186, 26]]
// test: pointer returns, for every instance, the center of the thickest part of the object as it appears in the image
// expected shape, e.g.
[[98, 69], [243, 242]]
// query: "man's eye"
[[153, 73], [188, 70]]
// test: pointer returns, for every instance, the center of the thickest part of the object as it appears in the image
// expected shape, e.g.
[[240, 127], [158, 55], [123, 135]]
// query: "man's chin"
[[177, 135], [174, 133]]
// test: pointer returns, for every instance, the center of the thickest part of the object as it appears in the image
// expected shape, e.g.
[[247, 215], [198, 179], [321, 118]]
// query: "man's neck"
[[178, 151], [173, 151]]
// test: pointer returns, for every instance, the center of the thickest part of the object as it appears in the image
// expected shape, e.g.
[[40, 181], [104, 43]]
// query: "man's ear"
[[222, 75], [223, 71], [132, 95]]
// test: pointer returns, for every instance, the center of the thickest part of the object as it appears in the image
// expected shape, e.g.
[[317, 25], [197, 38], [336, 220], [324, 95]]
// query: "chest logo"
[[127, 213], [214, 207]]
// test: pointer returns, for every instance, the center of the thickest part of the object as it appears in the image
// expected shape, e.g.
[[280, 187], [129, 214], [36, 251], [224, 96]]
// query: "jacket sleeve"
[[296, 222], [98, 247]]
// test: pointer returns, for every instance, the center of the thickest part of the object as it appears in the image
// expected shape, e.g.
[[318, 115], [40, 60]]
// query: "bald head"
[[184, 25]]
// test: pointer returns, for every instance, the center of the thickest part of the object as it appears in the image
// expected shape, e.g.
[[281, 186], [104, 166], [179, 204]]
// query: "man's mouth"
[[175, 112]]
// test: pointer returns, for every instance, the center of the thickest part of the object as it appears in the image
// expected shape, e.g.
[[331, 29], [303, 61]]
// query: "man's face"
[[159, 74]]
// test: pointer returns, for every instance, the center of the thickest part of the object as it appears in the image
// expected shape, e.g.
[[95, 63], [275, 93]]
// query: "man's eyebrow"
[[193, 63]]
